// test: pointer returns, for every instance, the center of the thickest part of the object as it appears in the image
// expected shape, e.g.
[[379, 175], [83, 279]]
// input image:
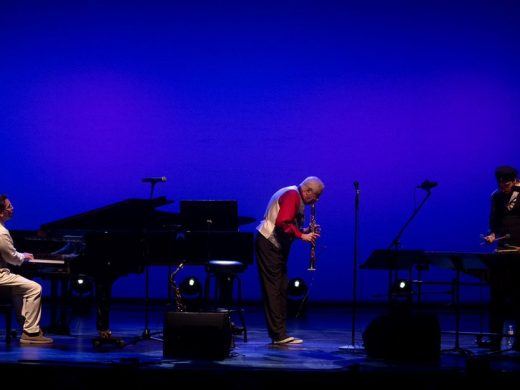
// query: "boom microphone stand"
[[352, 346], [396, 242]]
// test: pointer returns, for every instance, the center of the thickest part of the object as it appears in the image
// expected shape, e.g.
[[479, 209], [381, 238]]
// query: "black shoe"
[[235, 330]]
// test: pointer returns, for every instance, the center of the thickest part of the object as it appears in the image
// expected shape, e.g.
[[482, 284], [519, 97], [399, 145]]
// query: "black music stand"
[[395, 261], [458, 266], [459, 263], [209, 215]]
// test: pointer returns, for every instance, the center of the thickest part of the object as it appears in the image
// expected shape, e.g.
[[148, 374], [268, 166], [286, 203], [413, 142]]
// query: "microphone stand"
[[147, 335], [152, 188], [352, 346], [396, 242]]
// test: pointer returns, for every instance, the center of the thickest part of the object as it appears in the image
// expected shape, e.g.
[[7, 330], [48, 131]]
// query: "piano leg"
[[103, 297], [59, 305], [103, 294]]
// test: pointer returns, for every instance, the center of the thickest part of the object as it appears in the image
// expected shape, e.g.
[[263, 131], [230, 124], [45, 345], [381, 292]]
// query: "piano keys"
[[52, 262], [46, 267]]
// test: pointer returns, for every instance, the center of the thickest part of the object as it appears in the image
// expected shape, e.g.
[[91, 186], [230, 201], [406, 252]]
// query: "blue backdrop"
[[235, 99]]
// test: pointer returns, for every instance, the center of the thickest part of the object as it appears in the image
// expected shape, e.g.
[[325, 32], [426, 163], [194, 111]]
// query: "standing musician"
[[504, 226], [281, 224]]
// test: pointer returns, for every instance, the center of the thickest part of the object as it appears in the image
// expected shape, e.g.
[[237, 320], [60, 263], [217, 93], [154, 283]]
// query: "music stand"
[[458, 262], [209, 215]]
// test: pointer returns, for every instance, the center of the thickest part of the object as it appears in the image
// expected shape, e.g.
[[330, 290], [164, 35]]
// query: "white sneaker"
[[287, 341]]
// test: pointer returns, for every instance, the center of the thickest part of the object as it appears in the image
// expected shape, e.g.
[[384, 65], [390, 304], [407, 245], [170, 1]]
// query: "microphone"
[[154, 180], [427, 185], [356, 186]]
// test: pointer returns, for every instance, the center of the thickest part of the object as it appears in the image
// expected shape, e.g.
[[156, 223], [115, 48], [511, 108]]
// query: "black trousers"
[[504, 300], [272, 269]]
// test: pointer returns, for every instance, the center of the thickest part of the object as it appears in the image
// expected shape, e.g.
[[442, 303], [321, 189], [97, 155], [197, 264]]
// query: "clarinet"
[[312, 226], [179, 304]]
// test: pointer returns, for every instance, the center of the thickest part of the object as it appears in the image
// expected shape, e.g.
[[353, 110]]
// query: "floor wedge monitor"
[[197, 335], [399, 336]]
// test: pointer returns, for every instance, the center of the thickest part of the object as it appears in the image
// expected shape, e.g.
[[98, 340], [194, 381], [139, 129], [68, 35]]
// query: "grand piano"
[[126, 237]]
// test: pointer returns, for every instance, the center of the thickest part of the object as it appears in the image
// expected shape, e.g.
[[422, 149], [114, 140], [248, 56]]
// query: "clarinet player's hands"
[[489, 239], [309, 229], [310, 237]]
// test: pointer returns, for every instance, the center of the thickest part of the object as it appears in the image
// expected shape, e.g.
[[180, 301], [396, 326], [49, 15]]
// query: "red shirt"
[[288, 215]]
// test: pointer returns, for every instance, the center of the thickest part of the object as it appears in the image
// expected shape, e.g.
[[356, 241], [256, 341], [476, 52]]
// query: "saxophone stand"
[[352, 346]]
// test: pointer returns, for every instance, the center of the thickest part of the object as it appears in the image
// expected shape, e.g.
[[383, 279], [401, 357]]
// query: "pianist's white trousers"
[[27, 299]]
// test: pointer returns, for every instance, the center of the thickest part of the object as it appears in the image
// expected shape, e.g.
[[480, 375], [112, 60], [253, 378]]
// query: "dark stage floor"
[[326, 358]]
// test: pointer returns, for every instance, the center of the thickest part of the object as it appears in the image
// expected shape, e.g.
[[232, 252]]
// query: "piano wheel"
[[99, 341]]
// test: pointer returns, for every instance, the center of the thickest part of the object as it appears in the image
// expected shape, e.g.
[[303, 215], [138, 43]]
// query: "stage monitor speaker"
[[197, 335], [403, 336]]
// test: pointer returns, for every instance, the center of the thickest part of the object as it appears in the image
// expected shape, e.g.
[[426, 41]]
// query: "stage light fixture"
[[402, 287], [190, 287], [82, 297], [191, 293], [81, 285], [297, 288], [297, 296]]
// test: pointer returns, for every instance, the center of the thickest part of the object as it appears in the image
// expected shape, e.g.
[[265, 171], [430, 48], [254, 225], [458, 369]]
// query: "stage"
[[326, 358]]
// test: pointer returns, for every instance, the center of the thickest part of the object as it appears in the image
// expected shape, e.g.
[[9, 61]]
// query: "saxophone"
[[179, 304], [313, 228]]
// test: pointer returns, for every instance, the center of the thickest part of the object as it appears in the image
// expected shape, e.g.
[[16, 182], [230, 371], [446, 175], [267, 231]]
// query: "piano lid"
[[128, 214]]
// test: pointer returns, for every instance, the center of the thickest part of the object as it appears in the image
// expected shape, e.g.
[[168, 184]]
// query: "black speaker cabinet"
[[403, 336], [197, 335]]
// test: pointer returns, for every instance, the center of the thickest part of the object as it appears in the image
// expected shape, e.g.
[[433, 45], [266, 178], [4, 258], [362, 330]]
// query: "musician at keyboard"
[[26, 293], [504, 231]]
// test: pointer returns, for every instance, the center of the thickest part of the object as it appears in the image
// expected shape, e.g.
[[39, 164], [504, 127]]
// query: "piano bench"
[[225, 274], [6, 309]]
